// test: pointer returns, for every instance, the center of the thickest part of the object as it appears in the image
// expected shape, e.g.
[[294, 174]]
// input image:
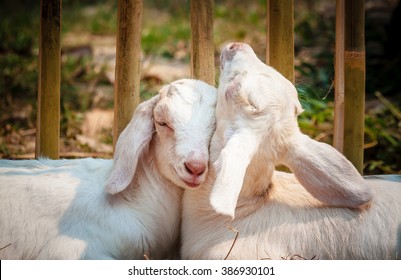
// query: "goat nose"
[[234, 46], [195, 167]]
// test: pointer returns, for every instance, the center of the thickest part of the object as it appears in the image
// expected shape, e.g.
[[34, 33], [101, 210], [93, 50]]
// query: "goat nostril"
[[195, 168], [234, 46]]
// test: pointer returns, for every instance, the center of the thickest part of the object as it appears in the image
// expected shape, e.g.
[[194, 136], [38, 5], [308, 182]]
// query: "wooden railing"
[[48, 111], [349, 66]]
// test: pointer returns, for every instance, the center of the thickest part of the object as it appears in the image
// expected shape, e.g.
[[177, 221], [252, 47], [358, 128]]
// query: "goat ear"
[[230, 169], [327, 174], [130, 145]]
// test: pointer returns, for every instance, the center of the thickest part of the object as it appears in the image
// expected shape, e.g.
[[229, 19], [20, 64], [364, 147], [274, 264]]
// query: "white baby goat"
[[249, 211], [100, 209]]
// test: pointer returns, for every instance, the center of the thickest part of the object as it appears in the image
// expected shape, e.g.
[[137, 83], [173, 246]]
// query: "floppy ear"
[[230, 172], [130, 145], [326, 173]]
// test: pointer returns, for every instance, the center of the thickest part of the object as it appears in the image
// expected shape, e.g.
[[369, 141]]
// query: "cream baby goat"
[[326, 210], [121, 209]]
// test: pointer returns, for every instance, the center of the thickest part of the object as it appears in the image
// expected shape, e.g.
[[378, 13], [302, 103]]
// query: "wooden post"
[[202, 46], [128, 63], [339, 80], [280, 37], [48, 105], [354, 114]]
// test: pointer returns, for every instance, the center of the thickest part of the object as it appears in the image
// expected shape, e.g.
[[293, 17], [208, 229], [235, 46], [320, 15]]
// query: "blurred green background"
[[88, 53]]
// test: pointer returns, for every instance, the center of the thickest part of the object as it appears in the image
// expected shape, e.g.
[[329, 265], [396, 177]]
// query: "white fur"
[[324, 210], [104, 209]]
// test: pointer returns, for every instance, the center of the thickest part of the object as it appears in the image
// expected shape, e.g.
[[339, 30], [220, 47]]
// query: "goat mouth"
[[192, 182], [192, 185]]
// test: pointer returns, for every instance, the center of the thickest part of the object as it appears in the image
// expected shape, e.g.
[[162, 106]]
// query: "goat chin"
[[324, 210], [126, 208]]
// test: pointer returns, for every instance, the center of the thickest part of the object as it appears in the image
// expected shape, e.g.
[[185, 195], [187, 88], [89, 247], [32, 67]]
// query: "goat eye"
[[162, 123], [251, 107]]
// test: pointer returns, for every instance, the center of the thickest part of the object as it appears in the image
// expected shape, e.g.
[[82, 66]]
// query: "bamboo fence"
[[349, 66]]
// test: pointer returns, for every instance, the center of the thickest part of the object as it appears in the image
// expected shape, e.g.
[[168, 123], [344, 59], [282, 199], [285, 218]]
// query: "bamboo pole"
[[339, 80], [354, 111], [128, 63], [202, 47], [48, 105], [280, 37]]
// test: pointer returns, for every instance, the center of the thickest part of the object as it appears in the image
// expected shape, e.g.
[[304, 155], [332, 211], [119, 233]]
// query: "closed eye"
[[163, 124], [252, 107]]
